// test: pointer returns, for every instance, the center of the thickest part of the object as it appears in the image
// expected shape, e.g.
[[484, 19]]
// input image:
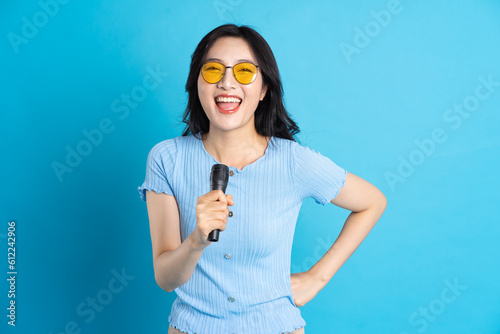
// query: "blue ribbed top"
[[241, 284]]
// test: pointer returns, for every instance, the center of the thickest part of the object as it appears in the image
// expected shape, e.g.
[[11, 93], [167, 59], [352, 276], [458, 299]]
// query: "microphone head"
[[219, 177]]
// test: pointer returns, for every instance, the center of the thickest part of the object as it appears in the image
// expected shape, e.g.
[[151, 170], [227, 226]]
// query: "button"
[[231, 299], [230, 213], [231, 172], [227, 256]]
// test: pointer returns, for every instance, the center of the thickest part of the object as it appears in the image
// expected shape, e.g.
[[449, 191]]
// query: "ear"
[[263, 93]]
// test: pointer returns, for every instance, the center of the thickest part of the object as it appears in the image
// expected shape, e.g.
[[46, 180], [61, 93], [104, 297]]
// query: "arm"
[[173, 261], [366, 203]]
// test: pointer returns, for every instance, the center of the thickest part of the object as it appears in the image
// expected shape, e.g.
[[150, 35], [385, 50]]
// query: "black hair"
[[271, 117]]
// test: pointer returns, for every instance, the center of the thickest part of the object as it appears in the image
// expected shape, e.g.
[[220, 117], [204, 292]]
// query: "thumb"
[[216, 195]]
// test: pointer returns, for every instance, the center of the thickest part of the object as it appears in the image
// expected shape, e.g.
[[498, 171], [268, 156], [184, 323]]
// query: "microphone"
[[218, 180]]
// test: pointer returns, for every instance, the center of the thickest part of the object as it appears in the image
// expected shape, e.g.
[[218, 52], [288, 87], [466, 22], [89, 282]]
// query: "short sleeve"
[[315, 175], [159, 168]]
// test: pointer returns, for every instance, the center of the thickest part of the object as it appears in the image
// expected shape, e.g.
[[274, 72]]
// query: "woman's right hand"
[[211, 214]]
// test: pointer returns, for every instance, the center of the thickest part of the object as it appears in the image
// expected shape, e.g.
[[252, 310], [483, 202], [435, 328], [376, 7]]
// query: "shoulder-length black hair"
[[271, 117]]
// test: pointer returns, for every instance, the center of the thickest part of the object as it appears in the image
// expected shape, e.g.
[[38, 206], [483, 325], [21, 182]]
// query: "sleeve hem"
[[142, 191], [338, 190]]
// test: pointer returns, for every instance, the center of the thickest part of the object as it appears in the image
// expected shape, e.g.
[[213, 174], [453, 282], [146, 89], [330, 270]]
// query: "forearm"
[[355, 229], [174, 268]]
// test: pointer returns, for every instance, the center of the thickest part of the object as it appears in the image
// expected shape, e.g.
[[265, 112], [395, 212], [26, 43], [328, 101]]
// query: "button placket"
[[227, 255], [231, 173]]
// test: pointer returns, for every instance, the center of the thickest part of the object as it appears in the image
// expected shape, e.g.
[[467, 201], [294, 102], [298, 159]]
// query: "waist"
[[276, 316], [172, 330]]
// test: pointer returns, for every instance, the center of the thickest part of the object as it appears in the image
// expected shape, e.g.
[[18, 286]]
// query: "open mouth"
[[227, 104]]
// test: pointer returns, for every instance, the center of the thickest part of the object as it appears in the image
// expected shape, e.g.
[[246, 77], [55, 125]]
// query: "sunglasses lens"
[[212, 72], [245, 73]]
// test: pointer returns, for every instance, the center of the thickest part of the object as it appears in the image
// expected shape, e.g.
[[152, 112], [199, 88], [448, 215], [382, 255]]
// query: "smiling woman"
[[235, 116], [230, 101]]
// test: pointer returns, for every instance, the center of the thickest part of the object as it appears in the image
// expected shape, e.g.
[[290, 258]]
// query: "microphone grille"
[[219, 177]]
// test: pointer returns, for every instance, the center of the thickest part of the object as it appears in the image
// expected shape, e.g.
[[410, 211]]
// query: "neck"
[[235, 148]]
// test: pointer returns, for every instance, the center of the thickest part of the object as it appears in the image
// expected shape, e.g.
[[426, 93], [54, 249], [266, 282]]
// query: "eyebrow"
[[238, 61]]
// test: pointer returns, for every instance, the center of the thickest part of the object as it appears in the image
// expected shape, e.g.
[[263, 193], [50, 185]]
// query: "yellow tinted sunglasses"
[[213, 72]]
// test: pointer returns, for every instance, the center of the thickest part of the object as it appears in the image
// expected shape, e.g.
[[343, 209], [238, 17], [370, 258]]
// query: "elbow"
[[381, 203], [169, 288], [160, 276], [377, 204], [166, 288], [163, 285]]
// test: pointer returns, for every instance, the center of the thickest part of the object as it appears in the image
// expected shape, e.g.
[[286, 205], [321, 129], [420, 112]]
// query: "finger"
[[222, 216], [221, 197], [216, 195], [230, 200], [218, 206], [218, 224]]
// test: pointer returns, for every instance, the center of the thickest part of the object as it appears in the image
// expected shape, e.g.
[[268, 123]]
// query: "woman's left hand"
[[305, 286]]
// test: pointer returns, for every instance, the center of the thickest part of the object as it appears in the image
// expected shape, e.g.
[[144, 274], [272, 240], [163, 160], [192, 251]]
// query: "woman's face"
[[231, 115]]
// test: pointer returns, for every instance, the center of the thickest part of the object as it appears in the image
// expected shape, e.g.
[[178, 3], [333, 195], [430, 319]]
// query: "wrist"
[[193, 245], [318, 275]]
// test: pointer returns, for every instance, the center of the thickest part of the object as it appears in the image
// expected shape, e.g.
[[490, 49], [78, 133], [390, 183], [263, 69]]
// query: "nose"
[[228, 81]]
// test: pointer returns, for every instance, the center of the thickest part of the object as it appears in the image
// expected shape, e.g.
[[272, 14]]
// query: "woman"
[[235, 116]]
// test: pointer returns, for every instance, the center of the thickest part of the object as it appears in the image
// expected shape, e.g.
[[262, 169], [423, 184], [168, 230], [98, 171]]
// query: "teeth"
[[227, 99]]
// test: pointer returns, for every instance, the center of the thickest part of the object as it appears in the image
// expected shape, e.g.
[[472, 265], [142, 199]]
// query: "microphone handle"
[[218, 180], [214, 235]]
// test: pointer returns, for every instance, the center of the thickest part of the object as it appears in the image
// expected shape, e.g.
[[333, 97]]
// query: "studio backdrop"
[[405, 94]]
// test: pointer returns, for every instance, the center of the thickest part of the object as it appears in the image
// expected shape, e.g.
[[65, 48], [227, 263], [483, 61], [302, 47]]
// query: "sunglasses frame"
[[225, 71]]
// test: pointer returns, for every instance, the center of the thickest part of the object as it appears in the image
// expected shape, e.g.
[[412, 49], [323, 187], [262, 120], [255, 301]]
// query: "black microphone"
[[218, 180]]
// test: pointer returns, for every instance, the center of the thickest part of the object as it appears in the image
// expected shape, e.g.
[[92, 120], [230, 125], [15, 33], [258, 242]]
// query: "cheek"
[[257, 89], [204, 92], [253, 95]]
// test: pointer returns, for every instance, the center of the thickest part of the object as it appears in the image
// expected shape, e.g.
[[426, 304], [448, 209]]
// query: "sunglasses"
[[244, 73]]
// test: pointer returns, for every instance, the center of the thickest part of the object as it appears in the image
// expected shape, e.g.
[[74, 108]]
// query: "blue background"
[[365, 109]]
